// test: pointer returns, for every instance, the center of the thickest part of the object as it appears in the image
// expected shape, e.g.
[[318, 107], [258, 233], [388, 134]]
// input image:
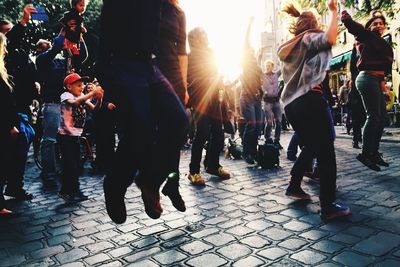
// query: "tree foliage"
[[13, 10]]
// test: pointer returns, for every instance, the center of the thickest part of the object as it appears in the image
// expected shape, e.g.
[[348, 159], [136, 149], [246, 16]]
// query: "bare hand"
[[14, 132], [332, 5], [111, 106], [28, 10]]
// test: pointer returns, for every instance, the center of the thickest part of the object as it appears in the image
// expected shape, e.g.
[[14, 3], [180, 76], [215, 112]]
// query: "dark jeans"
[[358, 119], [104, 135], [311, 119], [70, 161], [207, 129], [251, 111], [151, 120], [293, 146], [375, 107]]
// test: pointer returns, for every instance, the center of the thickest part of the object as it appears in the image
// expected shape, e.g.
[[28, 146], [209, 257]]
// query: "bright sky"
[[226, 21]]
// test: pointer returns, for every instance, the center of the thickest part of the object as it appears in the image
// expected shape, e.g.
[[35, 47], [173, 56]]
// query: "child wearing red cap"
[[73, 103]]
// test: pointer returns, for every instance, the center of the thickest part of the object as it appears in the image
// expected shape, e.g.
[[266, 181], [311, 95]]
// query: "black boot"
[[171, 189], [355, 145]]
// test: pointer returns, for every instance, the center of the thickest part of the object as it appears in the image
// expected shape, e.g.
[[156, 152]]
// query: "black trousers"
[[70, 160], [207, 129], [312, 120]]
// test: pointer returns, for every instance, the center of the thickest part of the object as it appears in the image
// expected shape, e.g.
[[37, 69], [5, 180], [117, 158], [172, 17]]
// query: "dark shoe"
[[249, 159], [220, 172], [292, 158], [355, 145], [312, 175], [379, 160], [334, 211], [79, 197], [114, 194], [297, 192], [5, 212], [368, 161], [20, 194], [68, 198], [151, 201], [278, 145], [171, 190]]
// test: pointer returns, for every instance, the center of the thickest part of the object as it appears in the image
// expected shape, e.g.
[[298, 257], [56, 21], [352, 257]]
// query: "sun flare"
[[225, 22]]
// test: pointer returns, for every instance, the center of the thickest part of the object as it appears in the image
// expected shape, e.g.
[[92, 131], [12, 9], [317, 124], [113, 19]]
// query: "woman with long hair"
[[374, 62], [8, 121], [305, 60]]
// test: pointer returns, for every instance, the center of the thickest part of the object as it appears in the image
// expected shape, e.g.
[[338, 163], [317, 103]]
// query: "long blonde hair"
[[305, 20], [3, 71]]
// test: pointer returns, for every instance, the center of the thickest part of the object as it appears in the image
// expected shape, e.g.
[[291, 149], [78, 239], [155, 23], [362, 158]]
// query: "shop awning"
[[341, 58]]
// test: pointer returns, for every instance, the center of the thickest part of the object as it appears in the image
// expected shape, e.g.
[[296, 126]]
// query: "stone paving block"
[[255, 241], [25, 248], [216, 220], [276, 234], [308, 257], [85, 232], [72, 255], [97, 259], [328, 264], [359, 231], [123, 239], [240, 230], [328, 246], [144, 242], [126, 228], [86, 224], [351, 259], [47, 252], [344, 238], [12, 260], [259, 225], [277, 218], [314, 234], [73, 264], [56, 240], [169, 257], [230, 224], [121, 251], [219, 239], [250, 261], [388, 263], [209, 260], [175, 242], [151, 230], [105, 227], [297, 226], [144, 263], [104, 235], [33, 237], [176, 223], [378, 245], [205, 232], [272, 253], [234, 251], [142, 254], [313, 219], [77, 242], [99, 246], [196, 247], [292, 243]]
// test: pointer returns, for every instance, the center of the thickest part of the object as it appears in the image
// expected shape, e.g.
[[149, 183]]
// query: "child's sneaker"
[[297, 192], [334, 211]]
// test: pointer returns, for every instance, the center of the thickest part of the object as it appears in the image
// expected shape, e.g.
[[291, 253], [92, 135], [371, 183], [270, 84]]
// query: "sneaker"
[[20, 194], [334, 211], [114, 194], [171, 189], [220, 172], [4, 212], [196, 179], [368, 161], [297, 192], [379, 160]]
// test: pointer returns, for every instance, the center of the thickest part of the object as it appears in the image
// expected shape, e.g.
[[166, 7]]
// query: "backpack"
[[267, 156], [233, 150]]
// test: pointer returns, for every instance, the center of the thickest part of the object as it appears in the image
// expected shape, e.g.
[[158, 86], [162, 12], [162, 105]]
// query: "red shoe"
[[151, 201]]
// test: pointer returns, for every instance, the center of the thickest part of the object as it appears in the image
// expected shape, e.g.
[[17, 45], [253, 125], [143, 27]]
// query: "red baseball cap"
[[74, 77]]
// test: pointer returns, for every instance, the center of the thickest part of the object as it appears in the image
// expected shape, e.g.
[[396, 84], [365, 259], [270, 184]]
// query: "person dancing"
[[305, 60]]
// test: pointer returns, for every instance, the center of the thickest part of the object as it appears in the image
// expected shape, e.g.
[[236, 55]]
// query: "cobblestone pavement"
[[244, 221]]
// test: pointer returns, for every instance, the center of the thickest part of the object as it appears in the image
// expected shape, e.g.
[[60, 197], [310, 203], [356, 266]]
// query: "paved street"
[[245, 221]]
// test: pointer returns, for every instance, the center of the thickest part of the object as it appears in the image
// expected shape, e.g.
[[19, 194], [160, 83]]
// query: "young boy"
[[73, 25], [71, 126]]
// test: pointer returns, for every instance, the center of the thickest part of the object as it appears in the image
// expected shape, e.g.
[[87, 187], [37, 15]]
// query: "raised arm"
[[332, 31]]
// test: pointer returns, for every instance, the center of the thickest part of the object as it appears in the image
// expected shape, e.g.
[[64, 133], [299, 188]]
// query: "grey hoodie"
[[305, 60]]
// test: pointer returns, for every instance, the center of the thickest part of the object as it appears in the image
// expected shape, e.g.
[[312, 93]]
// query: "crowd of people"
[[156, 96]]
